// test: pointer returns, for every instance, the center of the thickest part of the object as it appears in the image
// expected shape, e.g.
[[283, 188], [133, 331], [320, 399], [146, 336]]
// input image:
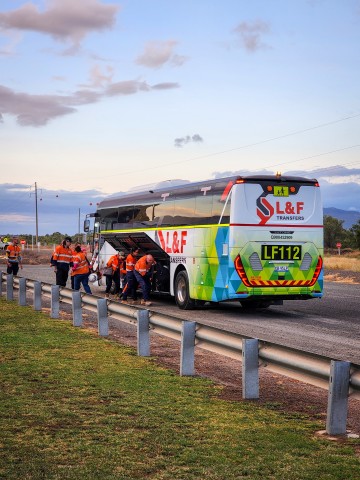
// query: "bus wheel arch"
[[182, 290]]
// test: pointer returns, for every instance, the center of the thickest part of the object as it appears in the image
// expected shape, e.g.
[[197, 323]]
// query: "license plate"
[[280, 252]]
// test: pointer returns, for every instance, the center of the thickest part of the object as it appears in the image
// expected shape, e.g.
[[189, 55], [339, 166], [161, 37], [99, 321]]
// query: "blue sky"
[[97, 97]]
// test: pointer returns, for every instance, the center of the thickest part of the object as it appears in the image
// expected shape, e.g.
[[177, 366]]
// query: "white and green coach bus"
[[253, 239]]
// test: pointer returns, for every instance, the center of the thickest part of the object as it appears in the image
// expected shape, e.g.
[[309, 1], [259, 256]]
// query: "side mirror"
[[86, 225]]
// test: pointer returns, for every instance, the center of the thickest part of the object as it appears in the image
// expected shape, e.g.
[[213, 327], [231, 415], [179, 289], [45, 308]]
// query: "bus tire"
[[254, 304], [182, 293]]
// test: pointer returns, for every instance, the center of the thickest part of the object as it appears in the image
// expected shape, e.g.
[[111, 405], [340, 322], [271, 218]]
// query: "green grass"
[[77, 406]]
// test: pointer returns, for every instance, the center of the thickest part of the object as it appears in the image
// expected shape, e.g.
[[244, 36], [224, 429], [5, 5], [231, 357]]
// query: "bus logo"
[[172, 241], [264, 210]]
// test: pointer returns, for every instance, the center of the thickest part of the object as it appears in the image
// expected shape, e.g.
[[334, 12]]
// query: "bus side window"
[[143, 213], [164, 213], [203, 209], [184, 211], [126, 214]]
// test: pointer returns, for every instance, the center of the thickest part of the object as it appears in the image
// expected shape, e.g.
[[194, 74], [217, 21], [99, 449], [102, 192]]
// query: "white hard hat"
[[92, 277]]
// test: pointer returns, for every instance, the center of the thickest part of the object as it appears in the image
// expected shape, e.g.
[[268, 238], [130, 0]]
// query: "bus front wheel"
[[182, 292]]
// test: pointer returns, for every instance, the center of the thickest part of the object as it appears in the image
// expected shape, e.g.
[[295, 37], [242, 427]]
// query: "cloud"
[[65, 20], [38, 110], [98, 78], [157, 53], [35, 110], [250, 35], [180, 142], [328, 172]]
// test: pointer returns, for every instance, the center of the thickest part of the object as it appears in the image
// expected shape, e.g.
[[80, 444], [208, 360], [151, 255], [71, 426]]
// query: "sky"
[[101, 96]]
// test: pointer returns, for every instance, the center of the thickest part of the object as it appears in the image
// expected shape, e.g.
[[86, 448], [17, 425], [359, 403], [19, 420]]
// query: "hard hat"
[[92, 277]]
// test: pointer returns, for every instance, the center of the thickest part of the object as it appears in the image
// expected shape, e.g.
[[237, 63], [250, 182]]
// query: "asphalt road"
[[329, 326]]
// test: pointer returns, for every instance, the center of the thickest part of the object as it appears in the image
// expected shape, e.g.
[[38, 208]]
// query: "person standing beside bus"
[[13, 253], [143, 272], [81, 270], [61, 260], [131, 283], [116, 264]]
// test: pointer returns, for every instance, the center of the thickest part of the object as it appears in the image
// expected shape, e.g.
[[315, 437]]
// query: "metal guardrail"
[[340, 378]]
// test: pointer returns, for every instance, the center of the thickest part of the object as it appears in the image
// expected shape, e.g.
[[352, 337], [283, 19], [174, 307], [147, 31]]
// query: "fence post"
[[22, 292], [250, 368], [143, 333], [76, 309], [37, 295], [9, 287], [338, 397], [55, 301], [187, 354], [103, 322], [1, 282]]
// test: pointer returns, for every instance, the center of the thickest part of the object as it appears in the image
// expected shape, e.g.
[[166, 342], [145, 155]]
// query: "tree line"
[[334, 232]]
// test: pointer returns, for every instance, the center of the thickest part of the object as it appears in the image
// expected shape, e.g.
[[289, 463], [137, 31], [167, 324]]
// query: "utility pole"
[[36, 215]]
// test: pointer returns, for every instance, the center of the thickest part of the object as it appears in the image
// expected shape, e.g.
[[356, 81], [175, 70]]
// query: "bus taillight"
[[241, 271], [317, 271]]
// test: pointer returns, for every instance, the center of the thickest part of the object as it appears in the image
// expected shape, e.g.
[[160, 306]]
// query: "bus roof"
[[217, 185]]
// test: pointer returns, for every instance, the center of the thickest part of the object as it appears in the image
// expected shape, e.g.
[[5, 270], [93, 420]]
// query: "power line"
[[314, 156], [261, 142]]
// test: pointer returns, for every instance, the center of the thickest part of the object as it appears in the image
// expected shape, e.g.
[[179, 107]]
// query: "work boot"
[[145, 302]]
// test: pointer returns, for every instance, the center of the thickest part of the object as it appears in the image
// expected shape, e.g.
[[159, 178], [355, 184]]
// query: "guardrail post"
[[250, 368], [187, 354], [103, 322], [9, 287], [143, 333], [22, 292], [338, 397], [76, 309], [37, 295], [55, 301]]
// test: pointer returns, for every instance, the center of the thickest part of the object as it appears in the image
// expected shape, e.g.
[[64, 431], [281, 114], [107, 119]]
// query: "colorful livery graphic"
[[253, 239]]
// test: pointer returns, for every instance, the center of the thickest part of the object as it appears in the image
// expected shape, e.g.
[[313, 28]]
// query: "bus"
[[255, 239]]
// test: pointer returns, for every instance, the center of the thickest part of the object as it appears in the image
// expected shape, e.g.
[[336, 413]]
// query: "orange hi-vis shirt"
[[116, 264], [81, 265], [63, 255], [142, 267], [13, 253], [130, 262]]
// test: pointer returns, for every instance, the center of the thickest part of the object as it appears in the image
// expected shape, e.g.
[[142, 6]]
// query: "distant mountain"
[[350, 217]]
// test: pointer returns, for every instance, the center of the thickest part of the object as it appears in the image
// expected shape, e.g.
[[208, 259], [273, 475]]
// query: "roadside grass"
[[77, 406], [342, 262]]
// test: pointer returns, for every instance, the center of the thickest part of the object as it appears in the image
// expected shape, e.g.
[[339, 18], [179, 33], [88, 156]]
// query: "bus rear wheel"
[[182, 292]]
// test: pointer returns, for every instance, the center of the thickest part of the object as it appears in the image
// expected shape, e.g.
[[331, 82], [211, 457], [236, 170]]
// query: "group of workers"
[[133, 272], [127, 272]]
